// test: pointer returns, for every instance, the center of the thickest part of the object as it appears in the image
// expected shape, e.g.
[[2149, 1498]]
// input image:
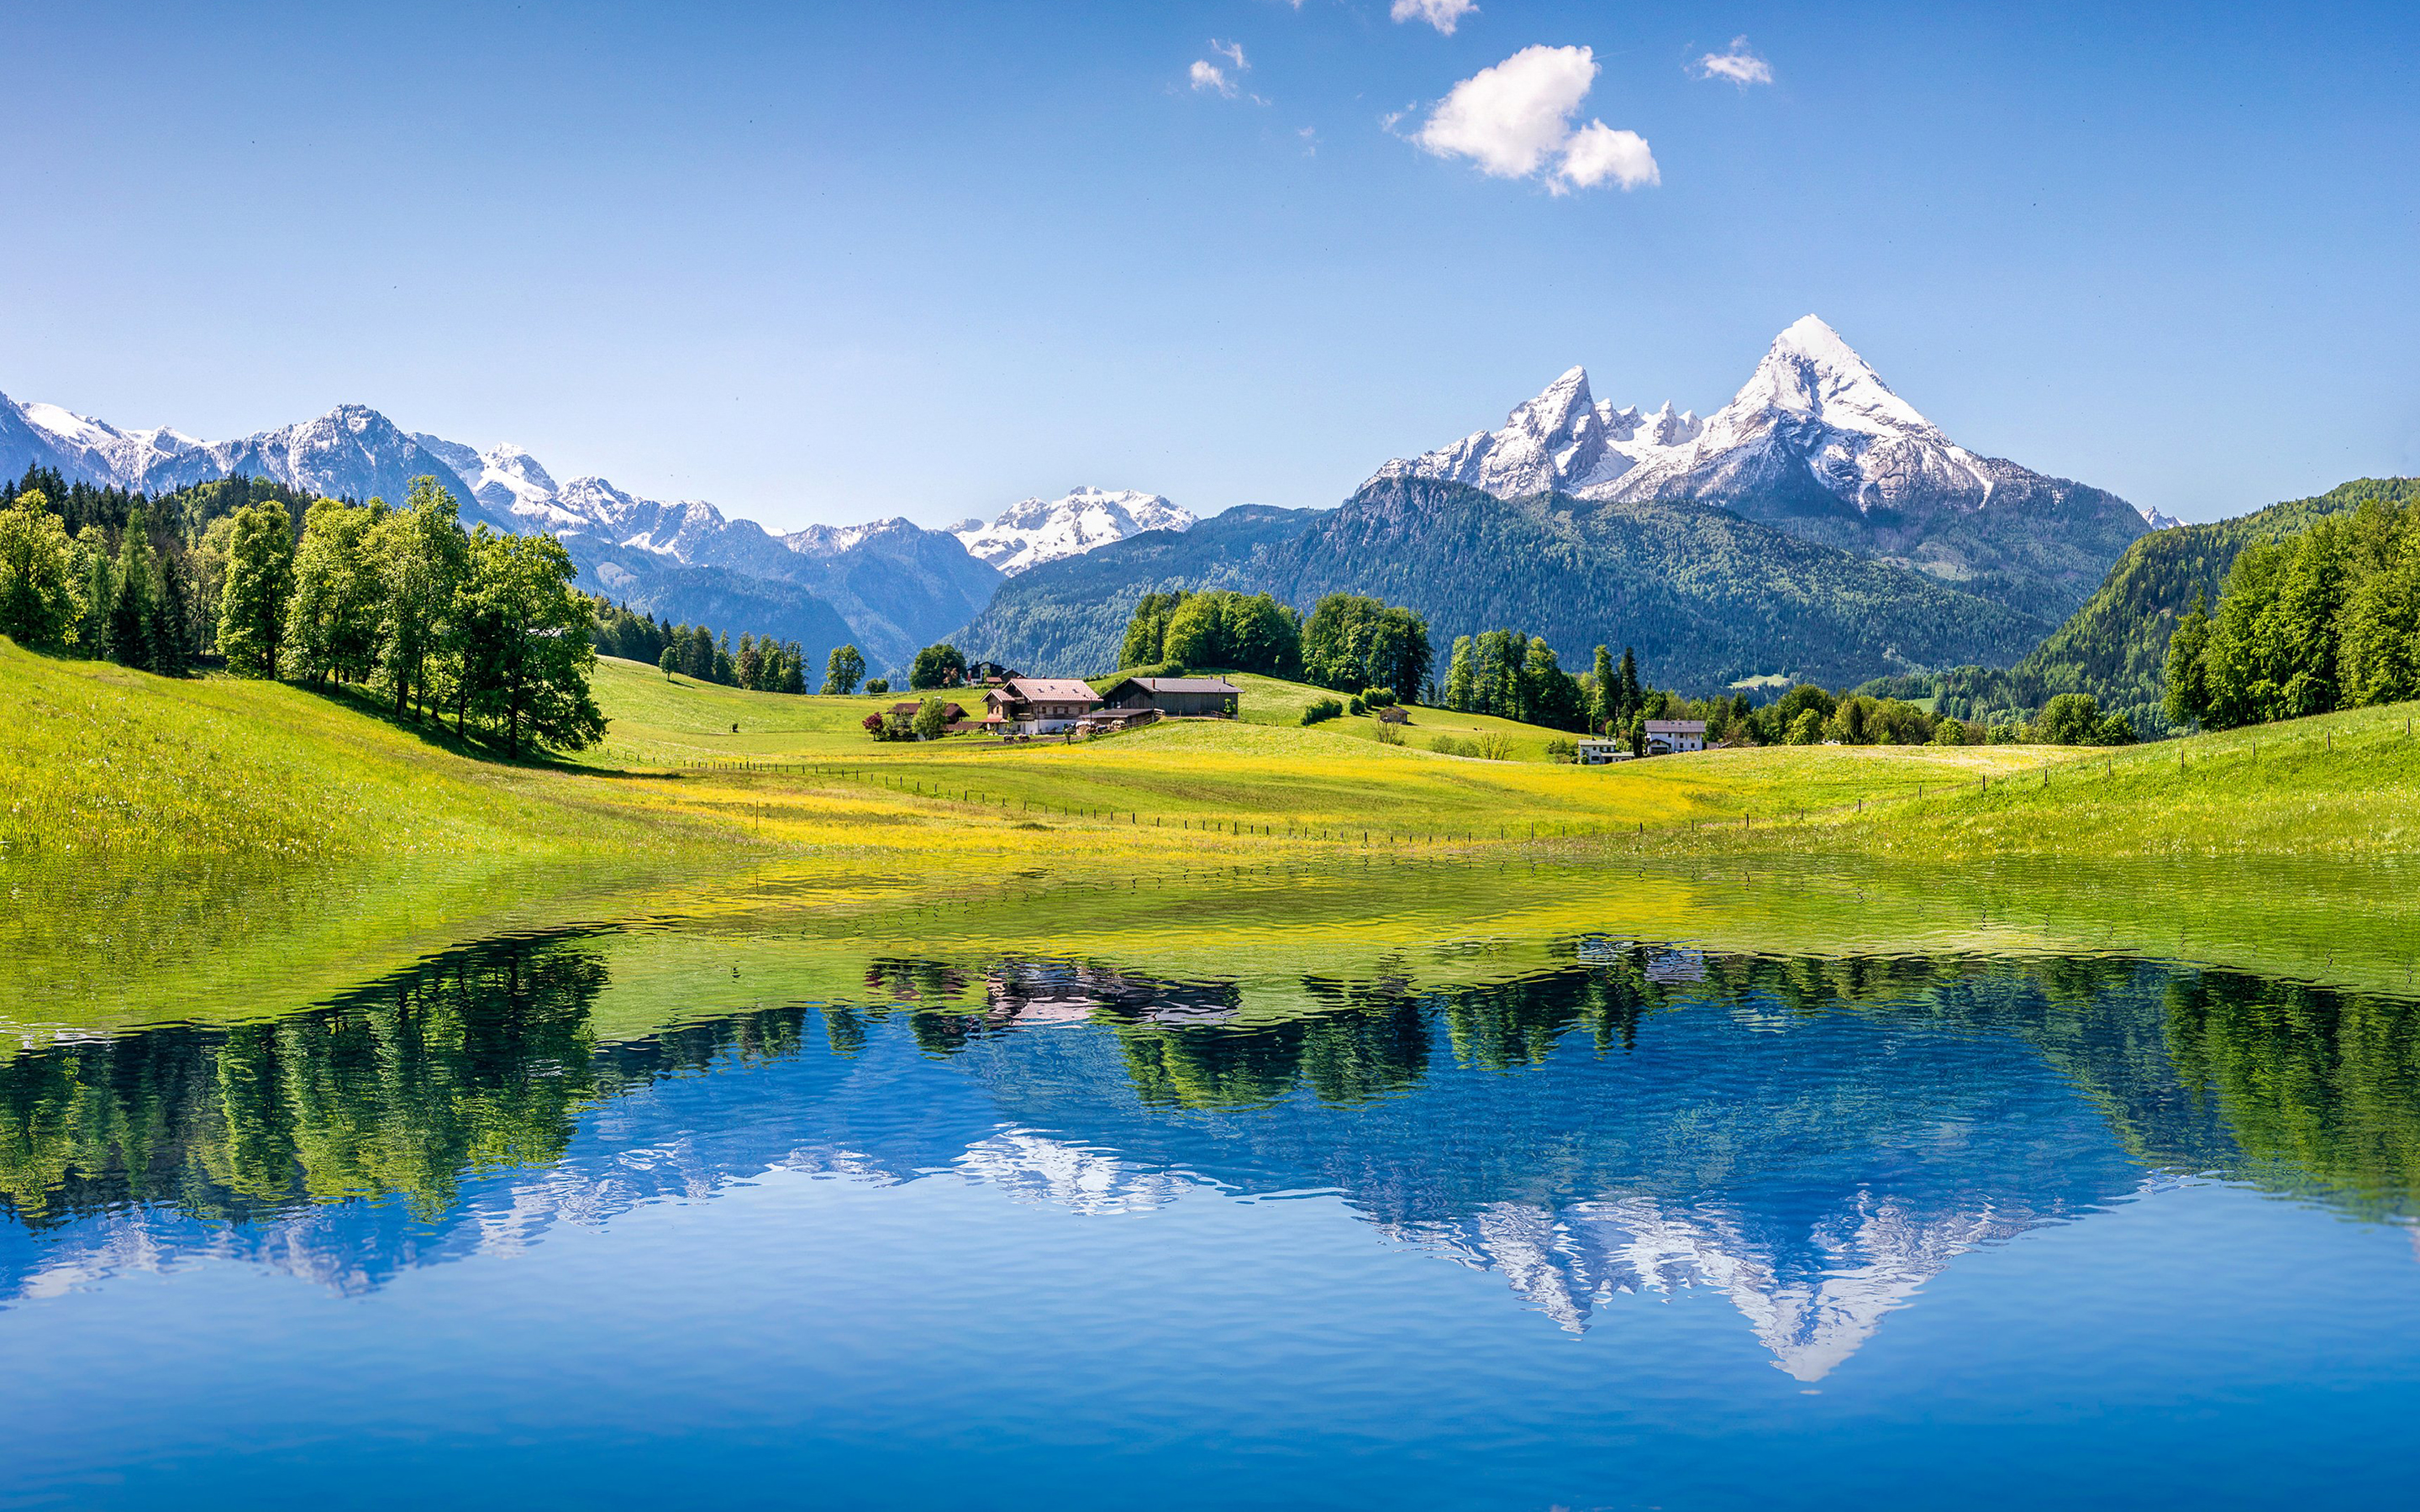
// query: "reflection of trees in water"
[[482, 1060], [2323, 1084], [478, 1060]]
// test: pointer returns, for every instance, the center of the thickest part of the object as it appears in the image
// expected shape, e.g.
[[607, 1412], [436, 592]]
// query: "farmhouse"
[[1176, 697], [1667, 736], [1038, 705], [906, 710]]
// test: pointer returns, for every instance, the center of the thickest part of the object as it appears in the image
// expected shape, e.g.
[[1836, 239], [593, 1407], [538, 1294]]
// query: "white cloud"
[[1511, 117], [1515, 120], [1232, 51], [1739, 66], [1442, 14], [1207, 76], [1597, 152]]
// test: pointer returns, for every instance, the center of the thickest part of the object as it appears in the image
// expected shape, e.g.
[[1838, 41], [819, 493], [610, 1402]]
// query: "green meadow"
[[218, 848]]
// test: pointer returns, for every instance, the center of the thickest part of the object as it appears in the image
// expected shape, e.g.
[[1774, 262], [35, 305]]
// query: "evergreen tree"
[[1631, 699], [1605, 691], [794, 668], [40, 599], [99, 590], [843, 670], [1461, 684], [133, 614]]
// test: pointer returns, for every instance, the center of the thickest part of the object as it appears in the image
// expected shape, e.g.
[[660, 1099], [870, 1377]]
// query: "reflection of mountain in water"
[[1812, 1139]]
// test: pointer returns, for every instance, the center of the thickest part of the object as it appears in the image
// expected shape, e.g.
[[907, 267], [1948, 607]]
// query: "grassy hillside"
[[174, 844]]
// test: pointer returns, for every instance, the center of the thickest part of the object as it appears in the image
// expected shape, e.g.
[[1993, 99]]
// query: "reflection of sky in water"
[[1082, 1212]]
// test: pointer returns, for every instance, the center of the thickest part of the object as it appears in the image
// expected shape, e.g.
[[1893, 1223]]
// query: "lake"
[[1451, 1186]]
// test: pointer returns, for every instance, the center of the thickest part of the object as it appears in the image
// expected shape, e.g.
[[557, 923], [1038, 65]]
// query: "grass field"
[[111, 759], [172, 847]]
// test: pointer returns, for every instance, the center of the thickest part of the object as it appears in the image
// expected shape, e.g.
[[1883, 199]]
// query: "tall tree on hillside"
[[1147, 630], [259, 585], [1605, 692], [332, 622], [40, 602], [1632, 697], [843, 670], [1261, 635], [93, 571], [422, 556], [1554, 695], [1197, 632], [2187, 700], [1351, 643], [135, 613], [526, 654], [1460, 676], [2381, 643]]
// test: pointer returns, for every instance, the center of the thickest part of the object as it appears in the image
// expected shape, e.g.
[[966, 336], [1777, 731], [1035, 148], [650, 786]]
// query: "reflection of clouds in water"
[[1033, 1168]]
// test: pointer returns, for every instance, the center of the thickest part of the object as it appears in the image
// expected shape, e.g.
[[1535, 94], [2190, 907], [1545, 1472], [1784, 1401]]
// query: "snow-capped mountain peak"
[[1813, 412], [1035, 530], [1810, 372]]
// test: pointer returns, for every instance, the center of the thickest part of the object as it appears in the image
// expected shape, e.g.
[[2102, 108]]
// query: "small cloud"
[[1232, 51], [1739, 66], [1597, 152], [1514, 121], [1310, 135], [1208, 75], [1442, 14]]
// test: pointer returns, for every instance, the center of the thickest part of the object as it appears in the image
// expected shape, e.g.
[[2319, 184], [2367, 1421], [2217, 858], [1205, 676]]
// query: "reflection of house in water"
[[1064, 992]]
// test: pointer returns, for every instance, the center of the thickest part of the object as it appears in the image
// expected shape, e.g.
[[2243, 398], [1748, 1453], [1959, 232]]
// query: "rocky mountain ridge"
[[1817, 445]]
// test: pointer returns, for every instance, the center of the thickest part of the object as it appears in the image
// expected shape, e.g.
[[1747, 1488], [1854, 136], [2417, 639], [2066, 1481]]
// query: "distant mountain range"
[[889, 585], [1816, 526], [1034, 530]]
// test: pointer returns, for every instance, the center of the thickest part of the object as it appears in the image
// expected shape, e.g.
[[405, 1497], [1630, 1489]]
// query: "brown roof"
[[1052, 690], [1181, 685]]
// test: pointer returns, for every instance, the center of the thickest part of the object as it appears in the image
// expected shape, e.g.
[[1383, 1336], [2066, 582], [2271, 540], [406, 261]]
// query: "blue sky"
[[826, 262]]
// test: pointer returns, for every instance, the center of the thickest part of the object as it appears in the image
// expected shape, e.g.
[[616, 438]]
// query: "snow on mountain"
[[2157, 520], [1035, 530], [1562, 440], [1813, 411]]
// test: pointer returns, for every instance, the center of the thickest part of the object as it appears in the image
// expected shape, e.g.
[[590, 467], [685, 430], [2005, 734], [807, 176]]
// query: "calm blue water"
[[1645, 1228]]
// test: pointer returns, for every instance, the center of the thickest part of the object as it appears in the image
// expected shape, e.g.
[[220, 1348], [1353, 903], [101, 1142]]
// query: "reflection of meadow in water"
[[1813, 1138]]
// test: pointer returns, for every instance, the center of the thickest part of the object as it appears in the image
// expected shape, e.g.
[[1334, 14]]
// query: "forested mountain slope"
[[1705, 597], [2116, 647], [1064, 618]]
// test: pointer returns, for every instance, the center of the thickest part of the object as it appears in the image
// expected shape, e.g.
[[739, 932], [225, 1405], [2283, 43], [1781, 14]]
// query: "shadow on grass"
[[438, 733]]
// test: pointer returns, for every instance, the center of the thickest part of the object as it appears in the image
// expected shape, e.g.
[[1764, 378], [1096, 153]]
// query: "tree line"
[[480, 627], [1349, 642], [2326, 620]]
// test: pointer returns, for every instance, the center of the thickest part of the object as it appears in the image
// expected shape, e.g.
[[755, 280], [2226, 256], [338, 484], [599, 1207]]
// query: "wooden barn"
[[1177, 697]]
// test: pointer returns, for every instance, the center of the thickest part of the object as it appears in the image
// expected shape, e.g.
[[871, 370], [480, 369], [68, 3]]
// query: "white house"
[[1665, 737]]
